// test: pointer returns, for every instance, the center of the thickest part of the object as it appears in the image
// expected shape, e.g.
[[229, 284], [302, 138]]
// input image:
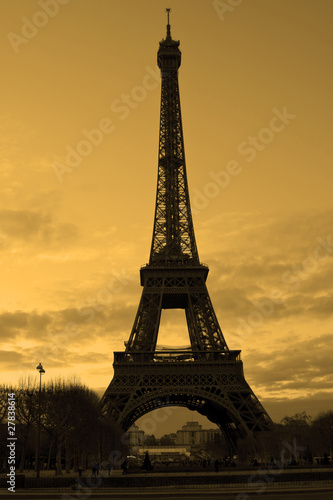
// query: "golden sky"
[[79, 141]]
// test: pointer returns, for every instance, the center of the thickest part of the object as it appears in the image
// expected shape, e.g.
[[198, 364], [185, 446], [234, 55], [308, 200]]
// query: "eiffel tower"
[[207, 377]]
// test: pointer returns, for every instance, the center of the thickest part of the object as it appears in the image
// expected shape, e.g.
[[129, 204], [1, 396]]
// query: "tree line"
[[296, 440], [74, 433]]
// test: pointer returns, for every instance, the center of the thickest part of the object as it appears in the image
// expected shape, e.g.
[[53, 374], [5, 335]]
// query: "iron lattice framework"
[[173, 234], [207, 377]]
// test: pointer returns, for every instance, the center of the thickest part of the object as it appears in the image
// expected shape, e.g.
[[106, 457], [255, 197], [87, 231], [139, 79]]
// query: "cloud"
[[274, 269], [254, 238], [28, 325], [279, 407], [23, 224], [24, 230], [297, 365], [97, 311], [12, 323], [67, 334], [320, 306], [11, 359], [23, 359]]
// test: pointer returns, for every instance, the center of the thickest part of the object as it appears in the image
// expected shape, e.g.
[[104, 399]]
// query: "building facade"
[[136, 437], [193, 434]]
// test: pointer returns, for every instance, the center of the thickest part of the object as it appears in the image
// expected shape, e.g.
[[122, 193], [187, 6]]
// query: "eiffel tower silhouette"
[[207, 377]]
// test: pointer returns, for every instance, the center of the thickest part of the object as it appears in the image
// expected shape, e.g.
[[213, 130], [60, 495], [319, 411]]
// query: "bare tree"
[[323, 433], [26, 413], [71, 419]]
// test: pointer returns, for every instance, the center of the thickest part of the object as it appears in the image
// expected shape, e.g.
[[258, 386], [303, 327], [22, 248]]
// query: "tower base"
[[214, 386]]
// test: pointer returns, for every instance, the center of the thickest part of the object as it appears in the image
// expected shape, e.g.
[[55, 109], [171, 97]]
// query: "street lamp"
[[41, 371]]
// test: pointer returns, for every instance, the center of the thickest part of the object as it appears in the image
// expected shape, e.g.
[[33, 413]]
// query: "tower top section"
[[169, 55], [168, 25], [173, 240]]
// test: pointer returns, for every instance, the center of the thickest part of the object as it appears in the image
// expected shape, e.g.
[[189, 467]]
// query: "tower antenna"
[[168, 25]]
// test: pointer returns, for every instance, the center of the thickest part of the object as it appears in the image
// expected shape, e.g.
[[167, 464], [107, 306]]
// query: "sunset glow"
[[79, 138]]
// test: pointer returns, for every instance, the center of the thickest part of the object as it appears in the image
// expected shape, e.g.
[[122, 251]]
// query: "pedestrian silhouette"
[[146, 463], [124, 466]]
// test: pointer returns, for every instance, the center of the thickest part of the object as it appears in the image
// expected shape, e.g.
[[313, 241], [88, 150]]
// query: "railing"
[[251, 480], [174, 356], [170, 264]]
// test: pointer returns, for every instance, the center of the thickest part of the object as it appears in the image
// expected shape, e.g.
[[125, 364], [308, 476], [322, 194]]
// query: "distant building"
[[193, 434], [164, 453], [136, 436]]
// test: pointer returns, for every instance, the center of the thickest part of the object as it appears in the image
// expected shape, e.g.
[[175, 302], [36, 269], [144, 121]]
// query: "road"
[[305, 494], [302, 495]]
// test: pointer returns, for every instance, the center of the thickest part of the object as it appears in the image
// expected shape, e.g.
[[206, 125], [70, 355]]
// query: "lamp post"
[[41, 371]]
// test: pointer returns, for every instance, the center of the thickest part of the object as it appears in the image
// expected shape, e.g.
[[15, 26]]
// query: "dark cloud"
[[38, 321], [234, 304], [267, 244], [10, 359], [313, 404], [232, 301], [53, 356], [320, 306], [320, 281], [30, 325], [110, 319], [298, 365], [23, 224], [35, 227], [65, 336], [290, 258], [12, 323]]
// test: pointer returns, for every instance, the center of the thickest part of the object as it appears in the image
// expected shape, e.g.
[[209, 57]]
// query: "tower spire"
[[173, 233], [168, 25]]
